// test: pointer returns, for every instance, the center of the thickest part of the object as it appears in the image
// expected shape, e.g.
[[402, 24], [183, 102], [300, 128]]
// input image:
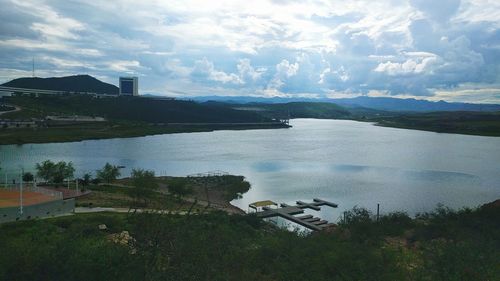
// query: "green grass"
[[442, 245], [222, 190], [470, 123], [118, 197]]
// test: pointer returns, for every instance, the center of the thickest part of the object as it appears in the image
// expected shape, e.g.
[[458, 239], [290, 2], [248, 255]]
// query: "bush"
[[145, 184], [395, 223], [178, 187]]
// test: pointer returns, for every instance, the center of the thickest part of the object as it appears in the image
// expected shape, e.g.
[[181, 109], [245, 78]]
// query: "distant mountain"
[[394, 104], [378, 103], [77, 83]]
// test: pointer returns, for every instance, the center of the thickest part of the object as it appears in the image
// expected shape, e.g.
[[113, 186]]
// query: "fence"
[[42, 210], [31, 187]]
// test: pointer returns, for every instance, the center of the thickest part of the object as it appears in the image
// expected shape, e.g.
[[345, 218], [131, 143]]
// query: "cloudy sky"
[[428, 49]]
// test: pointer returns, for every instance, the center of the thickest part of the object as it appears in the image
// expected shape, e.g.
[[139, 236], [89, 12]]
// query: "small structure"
[[71, 120], [259, 205], [288, 212], [7, 123]]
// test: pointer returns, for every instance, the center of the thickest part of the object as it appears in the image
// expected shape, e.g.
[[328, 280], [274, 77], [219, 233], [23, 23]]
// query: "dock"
[[288, 212]]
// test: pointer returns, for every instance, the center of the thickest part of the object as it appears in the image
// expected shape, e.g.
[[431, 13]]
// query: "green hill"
[[132, 109], [320, 110], [76, 83]]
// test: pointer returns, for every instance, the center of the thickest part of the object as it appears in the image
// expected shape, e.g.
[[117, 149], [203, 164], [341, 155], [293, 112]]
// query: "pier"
[[288, 212]]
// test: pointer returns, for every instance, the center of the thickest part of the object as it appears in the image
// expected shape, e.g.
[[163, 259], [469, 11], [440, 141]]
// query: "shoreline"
[[455, 132], [27, 136], [206, 193]]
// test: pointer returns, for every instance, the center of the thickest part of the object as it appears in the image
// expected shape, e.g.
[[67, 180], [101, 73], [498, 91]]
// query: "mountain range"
[[378, 103]]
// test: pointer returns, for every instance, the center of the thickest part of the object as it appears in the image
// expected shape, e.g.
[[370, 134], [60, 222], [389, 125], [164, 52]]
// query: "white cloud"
[[286, 69], [267, 47], [410, 66], [53, 24], [206, 68], [124, 66], [247, 72]]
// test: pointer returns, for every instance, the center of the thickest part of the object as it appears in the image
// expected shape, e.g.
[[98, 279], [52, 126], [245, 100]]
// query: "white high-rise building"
[[129, 86]]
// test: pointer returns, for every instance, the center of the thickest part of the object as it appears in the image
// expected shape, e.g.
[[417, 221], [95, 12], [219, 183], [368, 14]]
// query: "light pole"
[[21, 193]]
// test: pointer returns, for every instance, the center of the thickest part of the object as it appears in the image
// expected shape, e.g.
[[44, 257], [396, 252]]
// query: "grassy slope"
[[443, 245], [471, 123], [129, 117], [320, 110], [131, 109]]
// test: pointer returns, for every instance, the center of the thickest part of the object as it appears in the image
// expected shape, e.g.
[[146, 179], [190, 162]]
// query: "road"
[[17, 108]]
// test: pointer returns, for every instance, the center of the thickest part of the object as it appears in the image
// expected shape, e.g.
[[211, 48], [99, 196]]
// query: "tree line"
[[144, 182]]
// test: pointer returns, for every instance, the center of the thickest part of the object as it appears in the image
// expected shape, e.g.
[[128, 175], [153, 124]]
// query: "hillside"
[[442, 245], [132, 109], [319, 110], [458, 122], [126, 117], [76, 83]]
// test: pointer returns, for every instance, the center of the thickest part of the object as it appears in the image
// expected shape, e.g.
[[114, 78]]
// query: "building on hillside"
[[129, 86]]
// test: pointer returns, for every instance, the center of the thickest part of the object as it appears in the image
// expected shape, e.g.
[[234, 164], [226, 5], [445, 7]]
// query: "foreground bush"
[[442, 245]]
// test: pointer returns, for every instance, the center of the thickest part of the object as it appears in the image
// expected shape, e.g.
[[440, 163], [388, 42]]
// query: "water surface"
[[350, 163]]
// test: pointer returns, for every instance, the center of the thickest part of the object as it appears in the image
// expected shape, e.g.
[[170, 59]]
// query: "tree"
[[108, 173], [86, 179], [45, 170], [28, 177], [55, 172], [178, 187], [63, 171], [145, 184]]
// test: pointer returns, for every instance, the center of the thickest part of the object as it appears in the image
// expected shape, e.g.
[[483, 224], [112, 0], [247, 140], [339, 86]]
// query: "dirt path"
[[86, 210], [17, 108]]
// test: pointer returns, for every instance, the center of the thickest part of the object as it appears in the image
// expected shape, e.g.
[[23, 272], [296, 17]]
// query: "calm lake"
[[347, 162]]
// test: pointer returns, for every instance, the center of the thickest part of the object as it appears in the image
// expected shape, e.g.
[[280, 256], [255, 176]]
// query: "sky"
[[425, 49]]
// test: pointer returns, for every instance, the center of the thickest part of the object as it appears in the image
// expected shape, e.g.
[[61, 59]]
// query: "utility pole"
[[378, 211], [21, 193], [33, 67]]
